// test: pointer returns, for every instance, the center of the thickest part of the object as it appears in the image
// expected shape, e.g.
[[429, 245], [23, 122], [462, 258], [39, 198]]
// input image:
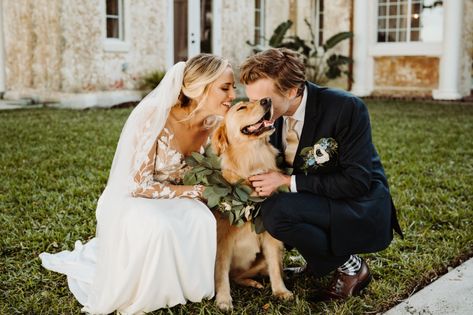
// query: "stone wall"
[[58, 45], [237, 28], [405, 76]]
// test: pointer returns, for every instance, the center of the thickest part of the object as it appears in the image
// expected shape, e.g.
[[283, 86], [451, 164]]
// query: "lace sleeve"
[[160, 176]]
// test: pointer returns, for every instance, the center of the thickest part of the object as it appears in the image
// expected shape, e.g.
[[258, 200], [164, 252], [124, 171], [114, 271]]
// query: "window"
[[259, 22], [319, 21], [410, 20], [114, 19]]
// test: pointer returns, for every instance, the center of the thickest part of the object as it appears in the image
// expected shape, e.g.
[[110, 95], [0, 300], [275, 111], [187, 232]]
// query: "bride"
[[155, 244]]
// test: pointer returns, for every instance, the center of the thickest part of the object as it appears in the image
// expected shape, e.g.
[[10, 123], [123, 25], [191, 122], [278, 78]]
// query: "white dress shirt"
[[299, 116]]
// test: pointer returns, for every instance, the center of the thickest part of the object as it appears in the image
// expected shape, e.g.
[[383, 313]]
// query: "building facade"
[[94, 52]]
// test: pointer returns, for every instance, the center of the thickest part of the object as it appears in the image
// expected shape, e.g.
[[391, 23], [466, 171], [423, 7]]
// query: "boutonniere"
[[319, 155]]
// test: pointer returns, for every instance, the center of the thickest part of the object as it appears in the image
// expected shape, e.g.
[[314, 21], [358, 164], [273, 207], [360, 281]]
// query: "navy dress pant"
[[302, 220]]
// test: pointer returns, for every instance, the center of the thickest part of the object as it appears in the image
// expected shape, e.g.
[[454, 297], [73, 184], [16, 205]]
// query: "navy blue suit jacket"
[[363, 215]]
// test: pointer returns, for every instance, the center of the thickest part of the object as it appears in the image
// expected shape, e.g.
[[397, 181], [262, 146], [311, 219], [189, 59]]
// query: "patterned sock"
[[351, 266]]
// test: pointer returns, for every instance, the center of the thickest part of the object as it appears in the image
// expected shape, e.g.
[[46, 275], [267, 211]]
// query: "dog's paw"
[[284, 295], [224, 304], [249, 283]]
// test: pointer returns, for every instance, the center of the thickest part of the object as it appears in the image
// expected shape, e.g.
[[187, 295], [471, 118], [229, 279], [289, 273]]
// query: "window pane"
[[415, 20], [393, 9], [402, 36], [382, 10], [112, 28], [381, 23], [391, 36], [112, 7], [257, 19], [206, 26], [414, 36], [392, 23], [402, 22], [381, 37]]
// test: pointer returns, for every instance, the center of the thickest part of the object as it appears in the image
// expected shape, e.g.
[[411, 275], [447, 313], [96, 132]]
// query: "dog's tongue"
[[267, 123], [255, 126]]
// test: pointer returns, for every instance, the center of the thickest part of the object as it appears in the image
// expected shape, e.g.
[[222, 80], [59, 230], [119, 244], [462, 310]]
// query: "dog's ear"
[[220, 140]]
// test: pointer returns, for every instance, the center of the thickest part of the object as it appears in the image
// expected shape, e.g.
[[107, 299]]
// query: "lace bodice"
[[161, 174]]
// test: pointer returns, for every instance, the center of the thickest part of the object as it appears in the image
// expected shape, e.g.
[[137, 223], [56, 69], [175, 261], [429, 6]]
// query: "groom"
[[339, 209]]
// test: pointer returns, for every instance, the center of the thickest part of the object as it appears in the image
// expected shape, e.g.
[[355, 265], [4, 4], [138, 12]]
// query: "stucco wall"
[[406, 76], [467, 51]]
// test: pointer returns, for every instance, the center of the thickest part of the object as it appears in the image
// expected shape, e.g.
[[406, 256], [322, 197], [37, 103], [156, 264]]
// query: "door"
[[196, 28]]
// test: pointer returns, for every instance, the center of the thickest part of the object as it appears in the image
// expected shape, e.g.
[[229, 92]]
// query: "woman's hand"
[[268, 183]]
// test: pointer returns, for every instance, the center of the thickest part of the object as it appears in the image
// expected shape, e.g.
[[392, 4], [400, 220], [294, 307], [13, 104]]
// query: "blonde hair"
[[282, 65], [200, 73]]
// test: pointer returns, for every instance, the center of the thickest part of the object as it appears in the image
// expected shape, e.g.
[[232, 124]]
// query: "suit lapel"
[[308, 131], [276, 137]]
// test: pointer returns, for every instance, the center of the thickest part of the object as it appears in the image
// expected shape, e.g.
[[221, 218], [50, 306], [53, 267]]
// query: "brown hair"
[[282, 65]]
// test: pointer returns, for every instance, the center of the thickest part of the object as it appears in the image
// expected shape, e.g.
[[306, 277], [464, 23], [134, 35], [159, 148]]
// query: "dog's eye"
[[243, 107]]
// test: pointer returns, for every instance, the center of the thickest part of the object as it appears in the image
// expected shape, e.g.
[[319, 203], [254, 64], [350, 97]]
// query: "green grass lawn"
[[54, 165]]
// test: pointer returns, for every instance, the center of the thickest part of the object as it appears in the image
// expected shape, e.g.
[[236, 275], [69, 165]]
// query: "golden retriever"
[[242, 142]]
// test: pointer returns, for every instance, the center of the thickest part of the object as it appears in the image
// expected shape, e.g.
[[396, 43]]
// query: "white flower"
[[248, 210], [226, 206], [320, 154]]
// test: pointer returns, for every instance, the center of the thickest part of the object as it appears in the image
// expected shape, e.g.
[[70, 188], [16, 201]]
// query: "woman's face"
[[221, 93]]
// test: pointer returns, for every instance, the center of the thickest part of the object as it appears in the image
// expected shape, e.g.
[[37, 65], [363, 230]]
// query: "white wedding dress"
[[153, 251]]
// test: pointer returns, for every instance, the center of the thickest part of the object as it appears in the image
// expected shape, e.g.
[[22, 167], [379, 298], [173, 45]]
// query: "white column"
[[449, 72], [217, 27], [170, 33], [193, 40], [363, 62], [2, 50]]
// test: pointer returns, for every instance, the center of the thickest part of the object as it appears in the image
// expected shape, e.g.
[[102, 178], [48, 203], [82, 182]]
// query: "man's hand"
[[268, 183]]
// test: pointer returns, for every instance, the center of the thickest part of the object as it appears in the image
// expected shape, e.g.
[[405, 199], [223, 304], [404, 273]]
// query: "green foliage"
[[54, 164], [321, 66], [233, 200], [152, 79]]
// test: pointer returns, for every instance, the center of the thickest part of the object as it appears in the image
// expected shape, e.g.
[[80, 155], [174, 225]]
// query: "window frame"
[[318, 30], [411, 48], [260, 42], [120, 44]]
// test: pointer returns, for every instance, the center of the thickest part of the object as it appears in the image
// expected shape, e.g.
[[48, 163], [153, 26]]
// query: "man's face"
[[265, 88]]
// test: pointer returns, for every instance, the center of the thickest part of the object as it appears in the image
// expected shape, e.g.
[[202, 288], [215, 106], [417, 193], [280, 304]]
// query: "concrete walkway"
[[451, 294], [5, 104]]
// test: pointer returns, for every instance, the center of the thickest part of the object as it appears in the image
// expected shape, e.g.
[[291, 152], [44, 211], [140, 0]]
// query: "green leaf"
[[231, 217], [189, 179], [191, 161], [242, 194], [306, 150], [335, 39], [221, 191], [279, 33], [246, 188], [256, 199], [213, 200], [198, 157], [236, 202]]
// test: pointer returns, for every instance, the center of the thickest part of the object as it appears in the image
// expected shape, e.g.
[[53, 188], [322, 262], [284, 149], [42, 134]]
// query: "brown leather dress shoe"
[[343, 286]]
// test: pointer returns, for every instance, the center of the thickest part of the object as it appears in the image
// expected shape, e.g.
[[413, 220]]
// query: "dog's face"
[[245, 121]]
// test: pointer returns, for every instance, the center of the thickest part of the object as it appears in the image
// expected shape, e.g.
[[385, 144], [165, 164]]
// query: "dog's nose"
[[265, 101]]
